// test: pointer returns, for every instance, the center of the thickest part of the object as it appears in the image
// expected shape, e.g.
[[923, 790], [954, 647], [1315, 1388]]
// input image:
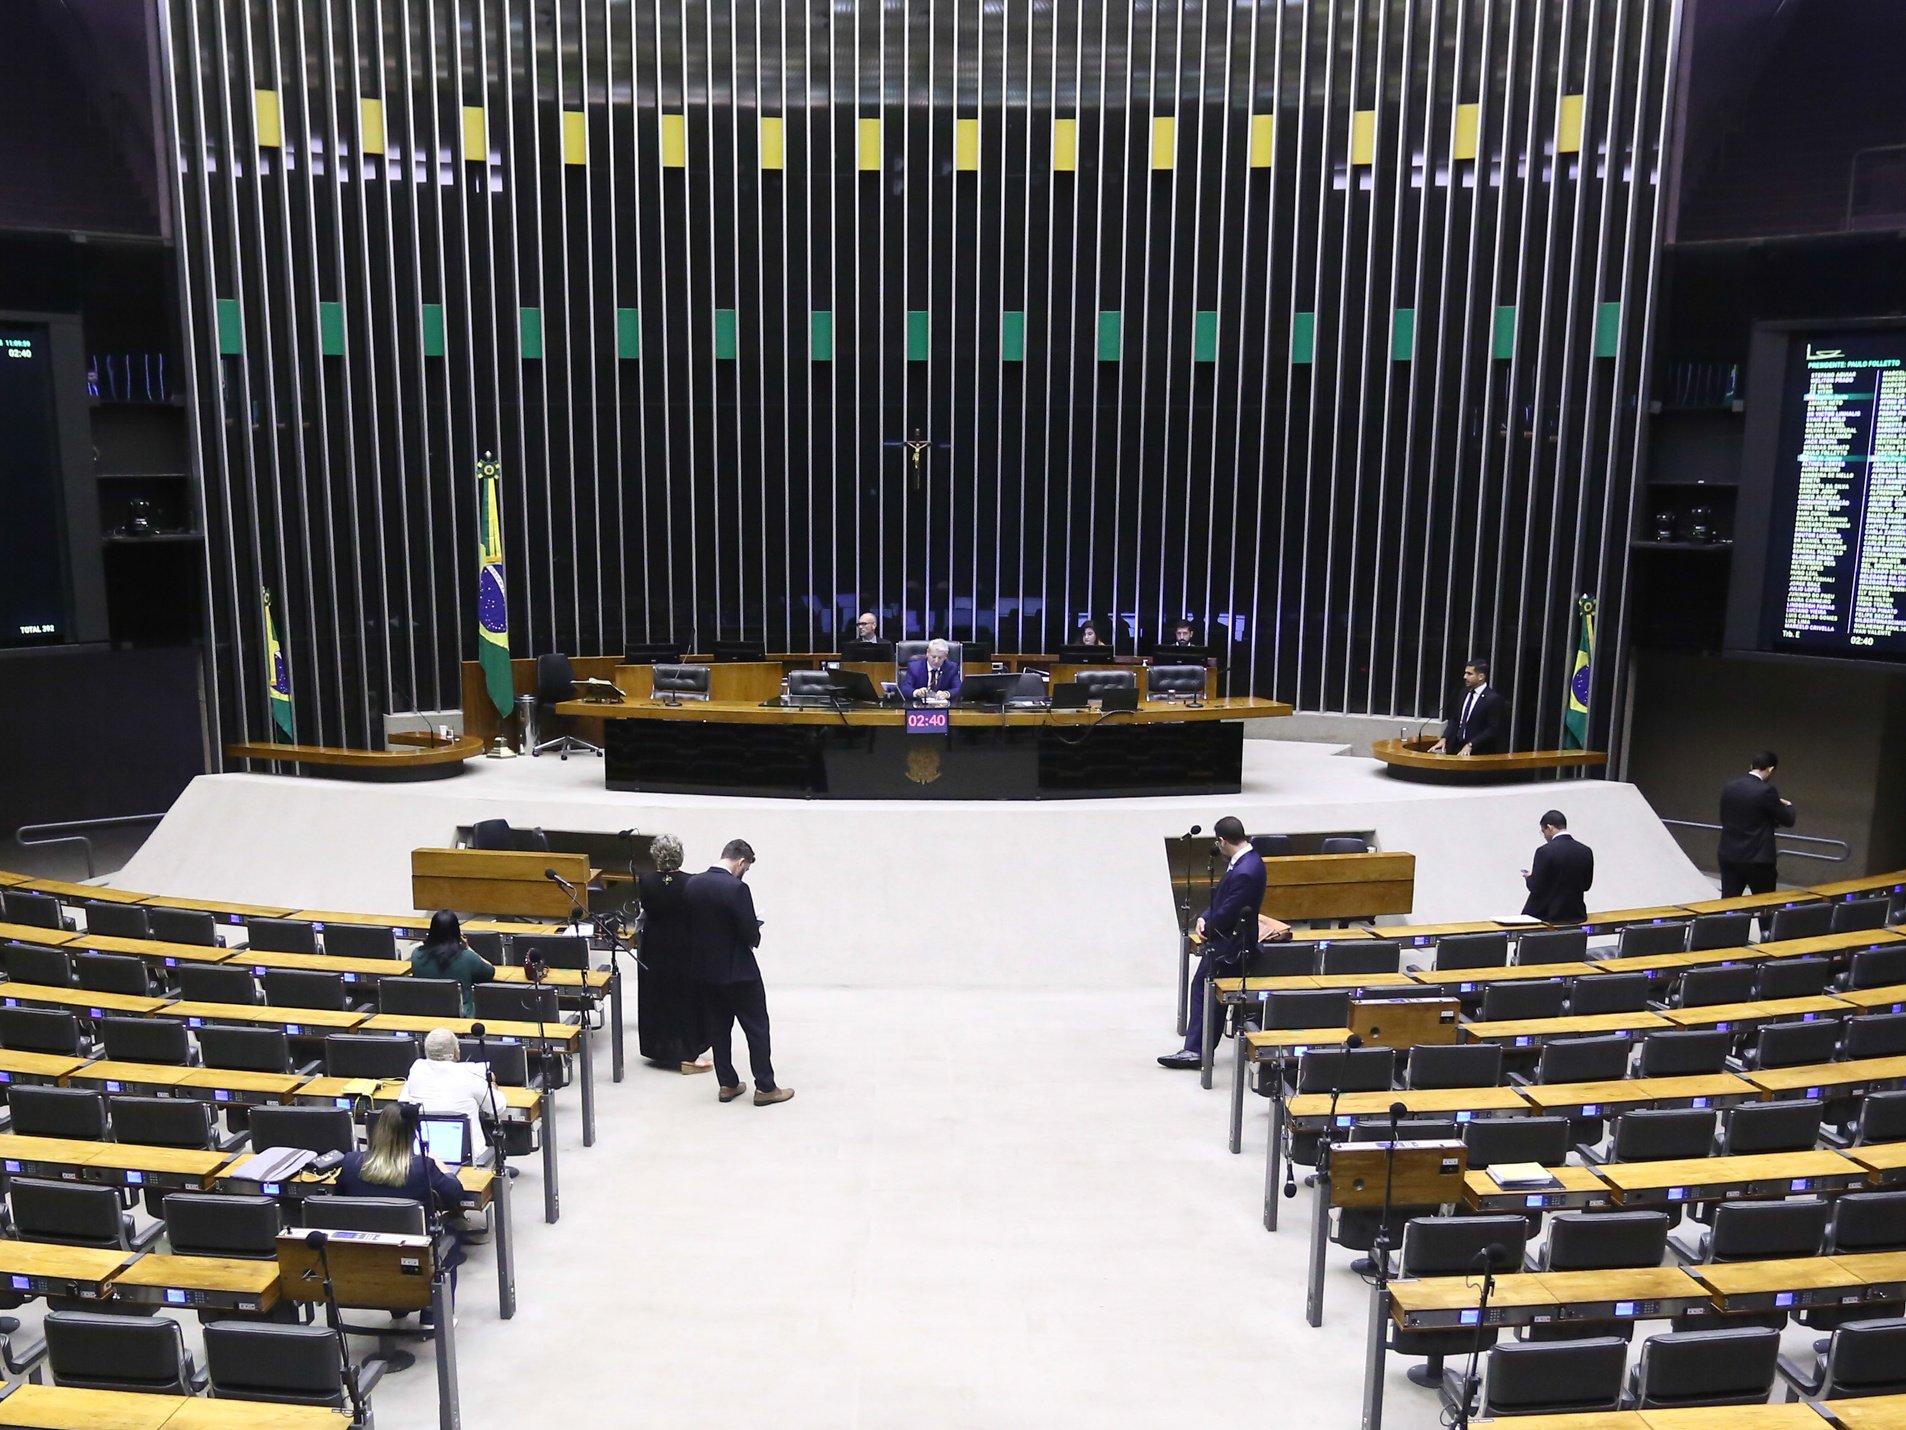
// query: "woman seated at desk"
[[444, 954], [394, 1166]]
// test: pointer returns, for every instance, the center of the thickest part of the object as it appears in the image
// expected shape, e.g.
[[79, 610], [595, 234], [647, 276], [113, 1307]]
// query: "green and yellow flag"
[[493, 621], [1575, 722], [277, 673]]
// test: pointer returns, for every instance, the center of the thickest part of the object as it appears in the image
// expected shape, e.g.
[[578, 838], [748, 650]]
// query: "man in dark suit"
[[1751, 812], [1228, 927], [1478, 722], [1561, 872], [723, 934], [931, 679]]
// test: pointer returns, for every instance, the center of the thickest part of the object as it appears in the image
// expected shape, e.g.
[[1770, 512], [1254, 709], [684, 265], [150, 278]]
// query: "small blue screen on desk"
[[1624, 1308], [174, 1298], [1470, 1318], [1783, 1298]]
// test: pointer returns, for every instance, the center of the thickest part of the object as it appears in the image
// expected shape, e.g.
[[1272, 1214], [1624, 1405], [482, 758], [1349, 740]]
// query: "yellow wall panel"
[[265, 107], [773, 144], [674, 141], [575, 137], [476, 140], [1164, 142], [870, 144], [370, 126], [1463, 144], [1065, 144], [1263, 140], [1568, 125], [1363, 137], [966, 144]]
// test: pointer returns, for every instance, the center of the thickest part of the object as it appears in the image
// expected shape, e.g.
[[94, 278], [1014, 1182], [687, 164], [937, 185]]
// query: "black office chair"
[[1792, 978], [1732, 1366], [1527, 1378], [281, 935], [1094, 683], [1685, 1053], [1765, 1231], [1875, 1035], [41, 1030], [1327, 1070], [1494, 1140], [1344, 844], [421, 997], [182, 1122], [89, 1351], [394, 1216], [104, 920], [1540, 946], [112, 973], [1517, 999], [216, 983], [1599, 1241], [74, 1214], [370, 1055], [359, 941], [555, 683], [146, 1040], [1608, 993], [1639, 939], [1376, 955], [1881, 1118], [1307, 1008], [681, 682], [509, 1062], [316, 1129], [1453, 1246], [1801, 921], [40, 911], [1271, 846], [1705, 987], [492, 948], [812, 687], [215, 1224], [1785, 1126], [244, 1049], [307, 988], [42, 967], [1436, 1065], [1599, 1059], [492, 834], [1859, 915], [183, 926], [1165, 681], [1865, 1358], [1666, 1134], [1792, 1045], [70, 1112], [1280, 960], [1472, 950], [285, 1365], [1876, 967], [1867, 1221], [519, 1002], [1731, 930], [558, 951]]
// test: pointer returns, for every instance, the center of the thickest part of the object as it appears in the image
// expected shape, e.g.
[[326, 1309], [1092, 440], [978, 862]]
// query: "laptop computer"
[[994, 689], [1125, 698], [1069, 695], [445, 1137], [854, 685]]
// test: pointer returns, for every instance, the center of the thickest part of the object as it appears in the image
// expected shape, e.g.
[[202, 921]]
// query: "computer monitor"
[[1086, 655], [654, 653], [992, 689], [854, 685], [1180, 654], [867, 651], [1070, 695], [445, 1137], [1119, 698], [726, 650], [976, 652]]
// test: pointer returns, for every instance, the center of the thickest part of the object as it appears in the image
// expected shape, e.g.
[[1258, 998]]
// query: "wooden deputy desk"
[[498, 881], [1594, 1099], [1311, 1112], [1533, 1032], [1885, 1162], [121, 1164], [1520, 1299], [562, 1037], [868, 752], [1423, 935], [1466, 979], [1742, 1017], [1796, 1416], [199, 1283], [1339, 886], [351, 970], [1882, 1412], [1713, 1179], [513, 1104], [50, 1407], [35, 1067], [84, 1001], [110, 1076], [742, 681], [1571, 1188], [411, 926], [71, 893], [166, 955], [239, 1086], [50, 1269], [1893, 882], [1745, 1286], [1842, 1079], [234, 913], [1891, 999], [1615, 920], [1409, 758], [8, 880], [295, 1021], [1256, 990], [32, 933]]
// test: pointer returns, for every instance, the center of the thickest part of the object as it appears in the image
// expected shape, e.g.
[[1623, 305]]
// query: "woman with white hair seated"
[[667, 1012], [445, 1086]]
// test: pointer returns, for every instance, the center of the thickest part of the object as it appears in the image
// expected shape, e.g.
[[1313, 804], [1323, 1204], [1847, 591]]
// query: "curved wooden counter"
[[434, 761], [1411, 760], [740, 712]]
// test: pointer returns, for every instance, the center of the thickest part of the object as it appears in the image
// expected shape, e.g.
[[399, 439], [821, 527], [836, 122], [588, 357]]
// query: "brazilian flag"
[[277, 674], [493, 612], [1575, 722]]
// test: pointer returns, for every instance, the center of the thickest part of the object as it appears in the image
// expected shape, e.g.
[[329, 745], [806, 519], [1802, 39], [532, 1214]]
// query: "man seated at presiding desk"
[[443, 1085], [930, 679], [1478, 721], [1562, 871]]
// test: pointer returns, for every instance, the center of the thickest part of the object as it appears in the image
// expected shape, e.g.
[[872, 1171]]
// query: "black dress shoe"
[[1181, 1059]]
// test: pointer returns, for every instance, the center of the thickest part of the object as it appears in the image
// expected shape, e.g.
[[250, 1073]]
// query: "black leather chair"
[[1867, 1221], [1865, 1358], [1639, 939], [1685, 1053], [1858, 915], [681, 682], [493, 948], [1540, 946], [1526, 1378], [41, 1030], [395, 1216], [1766, 1231], [811, 687], [1174, 681], [1326, 1070], [1705, 987], [89, 1351], [104, 920], [316, 1129], [369, 1055], [1472, 950], [1666, 1134], [1453, 1246], [1792, 1045], [183, 926], [1375, 955], [1801, 921], [31, 963], [286, 1365], [40, 911], [1271, 846], [281, 936], [307, 988], [147, 1040], [1599, 1241], [1599, 1059], [244, 1049], [517, 1002], [1733, 1366], [1434, 1065], [1783, 1126], [1608, 993], [1280, 960], [1875, 1035], [71, 1112], [1515, 999], [1344, 844], [421, 997], [905, 652], [1876, 967], [1492, 1140], [496, 834], [73, 1214], [359, 941], [1094, 683], [216, 983], [112, 973], [1881, 1118], [559, 951], [1792, 978], [555, 683], [1729, 930], [509, 1064], [1307, 1008], [213, 1224], [161, 1121]]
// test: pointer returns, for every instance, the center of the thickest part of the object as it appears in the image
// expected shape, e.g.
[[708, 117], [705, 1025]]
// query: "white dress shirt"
[[451, 1090]]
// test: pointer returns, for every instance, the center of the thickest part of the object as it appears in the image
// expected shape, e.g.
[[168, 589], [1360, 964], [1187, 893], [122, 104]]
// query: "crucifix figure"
[[918, 446]]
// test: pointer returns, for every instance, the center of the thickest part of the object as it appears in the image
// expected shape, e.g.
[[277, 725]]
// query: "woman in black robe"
[[668, 1017]]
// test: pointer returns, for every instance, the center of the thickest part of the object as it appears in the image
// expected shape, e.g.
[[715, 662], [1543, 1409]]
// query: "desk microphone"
[[1330, 1121], [1193, 832], [316, 1240]]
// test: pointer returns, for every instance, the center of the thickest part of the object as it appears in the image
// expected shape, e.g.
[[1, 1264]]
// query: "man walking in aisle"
[[723, 934]]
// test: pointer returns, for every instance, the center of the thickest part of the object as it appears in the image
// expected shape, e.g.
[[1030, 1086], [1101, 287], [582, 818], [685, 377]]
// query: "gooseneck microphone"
[[1485, 1261], [1350, 1044], [347, 1372]]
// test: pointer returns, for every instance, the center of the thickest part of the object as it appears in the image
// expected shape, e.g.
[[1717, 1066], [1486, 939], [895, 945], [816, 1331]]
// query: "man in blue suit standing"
[[1228, 927], [930, 679]]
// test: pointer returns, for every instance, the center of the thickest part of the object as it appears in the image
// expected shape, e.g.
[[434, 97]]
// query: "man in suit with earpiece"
[[1479, 719], [1228, 927]]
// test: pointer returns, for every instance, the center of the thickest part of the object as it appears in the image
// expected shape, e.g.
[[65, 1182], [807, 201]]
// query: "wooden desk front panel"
[[479, 714], [744, 680], [1339, 886], [494, 881]]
